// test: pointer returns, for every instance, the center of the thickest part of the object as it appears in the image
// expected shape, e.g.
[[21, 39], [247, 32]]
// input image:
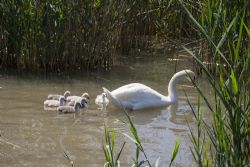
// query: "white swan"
[[75, 98], [70, 109], [56, 97], [136, 96], [54, 103], [102, 101]]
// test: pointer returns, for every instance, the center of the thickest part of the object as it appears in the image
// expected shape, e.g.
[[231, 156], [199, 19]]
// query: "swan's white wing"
[[136, 92], [135, 96]]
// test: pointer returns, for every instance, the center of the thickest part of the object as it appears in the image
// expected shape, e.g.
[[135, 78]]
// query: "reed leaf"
[[201, 29], [237, 50], [247, 29], [234, 83], [225, 34], [230, 116], [175, 151]]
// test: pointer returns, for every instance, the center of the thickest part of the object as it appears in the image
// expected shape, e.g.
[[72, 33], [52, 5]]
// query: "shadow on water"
[[43, 136]]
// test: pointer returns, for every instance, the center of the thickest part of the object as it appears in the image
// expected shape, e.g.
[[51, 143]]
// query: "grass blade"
[[203, 32], [175, 151], [234, 83]]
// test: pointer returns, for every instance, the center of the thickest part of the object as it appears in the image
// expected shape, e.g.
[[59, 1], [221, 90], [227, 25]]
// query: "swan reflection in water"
[[158, 129]]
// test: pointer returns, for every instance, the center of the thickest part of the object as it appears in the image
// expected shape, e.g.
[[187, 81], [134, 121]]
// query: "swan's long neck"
[[172, 90]]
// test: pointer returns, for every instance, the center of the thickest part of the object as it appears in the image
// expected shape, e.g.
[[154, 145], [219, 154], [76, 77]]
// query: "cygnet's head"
[[62, 100], [105, 100], [104, 95], [84, 102], [66, 94], [86, 96], [77, 106]]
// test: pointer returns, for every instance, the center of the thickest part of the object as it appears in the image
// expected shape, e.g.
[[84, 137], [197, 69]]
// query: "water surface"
[[31, 136]]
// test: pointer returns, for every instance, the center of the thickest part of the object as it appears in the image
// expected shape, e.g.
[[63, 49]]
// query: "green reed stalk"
[[229, 132], [112, 160]]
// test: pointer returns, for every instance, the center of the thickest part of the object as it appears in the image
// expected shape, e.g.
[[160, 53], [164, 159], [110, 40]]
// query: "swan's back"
[[136, 96], [136, 91]]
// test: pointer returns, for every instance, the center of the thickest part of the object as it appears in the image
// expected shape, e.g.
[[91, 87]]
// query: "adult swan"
[[136, 96]]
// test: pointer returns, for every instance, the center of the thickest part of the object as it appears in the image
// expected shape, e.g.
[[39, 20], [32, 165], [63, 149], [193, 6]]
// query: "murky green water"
[[33, 137]]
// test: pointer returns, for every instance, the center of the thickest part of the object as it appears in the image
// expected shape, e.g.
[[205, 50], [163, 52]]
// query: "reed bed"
[[221, 23], [225, 142], [60, 35], [56, 35]]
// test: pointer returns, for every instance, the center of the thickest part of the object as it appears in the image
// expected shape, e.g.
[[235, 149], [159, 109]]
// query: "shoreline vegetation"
[[225, 141], [59, 35]]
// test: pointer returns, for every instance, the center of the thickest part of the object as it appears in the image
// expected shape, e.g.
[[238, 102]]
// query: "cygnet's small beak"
[[84, 104], [80, 105]]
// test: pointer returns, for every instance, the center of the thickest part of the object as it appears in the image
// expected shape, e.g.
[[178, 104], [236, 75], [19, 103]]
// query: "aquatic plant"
[[112, 160], [227, 138], [221, 23], [68, 158]]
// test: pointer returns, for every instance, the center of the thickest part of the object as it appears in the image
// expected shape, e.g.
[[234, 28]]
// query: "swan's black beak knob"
[[194, 78]]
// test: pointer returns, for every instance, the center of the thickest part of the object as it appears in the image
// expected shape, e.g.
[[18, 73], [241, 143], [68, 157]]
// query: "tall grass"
[[228, 37], [57, 35], [112, 160], [60, 35], [219, 23]]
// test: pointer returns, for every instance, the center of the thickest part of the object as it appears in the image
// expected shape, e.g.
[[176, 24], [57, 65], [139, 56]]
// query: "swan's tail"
[[111, 98]]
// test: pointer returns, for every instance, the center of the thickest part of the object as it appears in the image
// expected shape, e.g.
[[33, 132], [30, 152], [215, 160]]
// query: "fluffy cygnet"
[[54, 103], [56, 97]]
